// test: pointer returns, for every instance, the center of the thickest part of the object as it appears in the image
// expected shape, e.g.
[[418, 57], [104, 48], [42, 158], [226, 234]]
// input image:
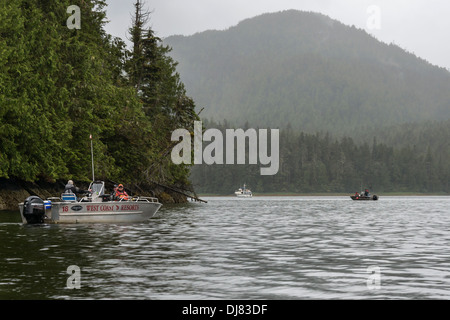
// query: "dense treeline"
[[320, 163], [59, 85]]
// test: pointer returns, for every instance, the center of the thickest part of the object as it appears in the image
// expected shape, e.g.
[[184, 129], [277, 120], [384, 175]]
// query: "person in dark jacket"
[[71, 188]]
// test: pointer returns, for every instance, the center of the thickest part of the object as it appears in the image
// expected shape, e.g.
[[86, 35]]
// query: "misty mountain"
[[310, 71]]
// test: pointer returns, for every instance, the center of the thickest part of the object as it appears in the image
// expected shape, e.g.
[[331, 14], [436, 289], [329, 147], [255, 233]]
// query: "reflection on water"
[[230, 248]]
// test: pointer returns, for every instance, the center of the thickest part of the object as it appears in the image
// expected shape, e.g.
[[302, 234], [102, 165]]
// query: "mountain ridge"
[[308, 70]]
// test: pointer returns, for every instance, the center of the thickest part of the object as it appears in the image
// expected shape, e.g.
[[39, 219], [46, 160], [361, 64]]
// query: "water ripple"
[[259, 248]]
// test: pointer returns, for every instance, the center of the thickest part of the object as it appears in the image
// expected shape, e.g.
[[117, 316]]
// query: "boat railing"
[[139, 199], [149, 199], [70, 197]]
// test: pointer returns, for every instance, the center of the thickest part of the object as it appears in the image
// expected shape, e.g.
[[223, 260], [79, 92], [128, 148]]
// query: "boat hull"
[[99, 212], [243, 195], [364, 198]]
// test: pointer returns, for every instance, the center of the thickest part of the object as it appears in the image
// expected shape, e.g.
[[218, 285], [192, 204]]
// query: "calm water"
[[261, 248]]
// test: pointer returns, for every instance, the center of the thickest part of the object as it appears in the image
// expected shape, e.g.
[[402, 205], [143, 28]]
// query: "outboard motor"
[[34, 210]]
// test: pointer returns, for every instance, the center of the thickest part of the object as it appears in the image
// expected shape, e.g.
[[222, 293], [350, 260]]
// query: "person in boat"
[[121, 193], [71, 188], [366, 193]]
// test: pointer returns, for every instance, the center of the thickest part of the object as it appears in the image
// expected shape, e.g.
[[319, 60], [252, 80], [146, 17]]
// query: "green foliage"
[[58, 86], [165, 103]]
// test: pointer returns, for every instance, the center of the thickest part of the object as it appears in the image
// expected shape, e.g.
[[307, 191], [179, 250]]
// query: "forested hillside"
[[59, 85], [351, 110], [322, 163], [309, 71]]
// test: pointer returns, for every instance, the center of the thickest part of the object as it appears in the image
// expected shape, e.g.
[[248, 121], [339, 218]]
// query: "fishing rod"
[[92, 157]]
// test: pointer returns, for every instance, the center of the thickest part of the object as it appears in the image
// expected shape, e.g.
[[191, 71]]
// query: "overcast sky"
[[419, 26]]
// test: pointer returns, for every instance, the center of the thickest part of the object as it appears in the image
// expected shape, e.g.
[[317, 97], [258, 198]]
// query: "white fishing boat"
[[96, 207], [243, 192]]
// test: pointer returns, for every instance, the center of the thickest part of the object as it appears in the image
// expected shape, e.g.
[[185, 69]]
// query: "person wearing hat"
[[71, 188], [121, 193]]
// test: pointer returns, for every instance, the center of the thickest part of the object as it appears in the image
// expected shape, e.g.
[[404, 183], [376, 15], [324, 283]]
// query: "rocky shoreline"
[[12, 192]]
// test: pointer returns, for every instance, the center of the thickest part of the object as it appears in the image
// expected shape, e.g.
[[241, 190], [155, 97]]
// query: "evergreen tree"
[[165, 103], [59, 85]]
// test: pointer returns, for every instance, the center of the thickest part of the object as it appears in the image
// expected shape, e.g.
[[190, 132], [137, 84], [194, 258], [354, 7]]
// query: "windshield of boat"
[[98, 188]]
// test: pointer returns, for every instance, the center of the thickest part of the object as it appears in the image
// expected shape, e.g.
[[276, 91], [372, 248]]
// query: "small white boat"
[[97, 207], [243, 192]]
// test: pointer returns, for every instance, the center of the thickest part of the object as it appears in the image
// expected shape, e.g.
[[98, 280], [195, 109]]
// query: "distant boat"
[[243, 192], [364, 196]]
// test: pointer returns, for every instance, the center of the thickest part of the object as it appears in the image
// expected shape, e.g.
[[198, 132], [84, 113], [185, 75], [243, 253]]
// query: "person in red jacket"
[[121, 193]]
